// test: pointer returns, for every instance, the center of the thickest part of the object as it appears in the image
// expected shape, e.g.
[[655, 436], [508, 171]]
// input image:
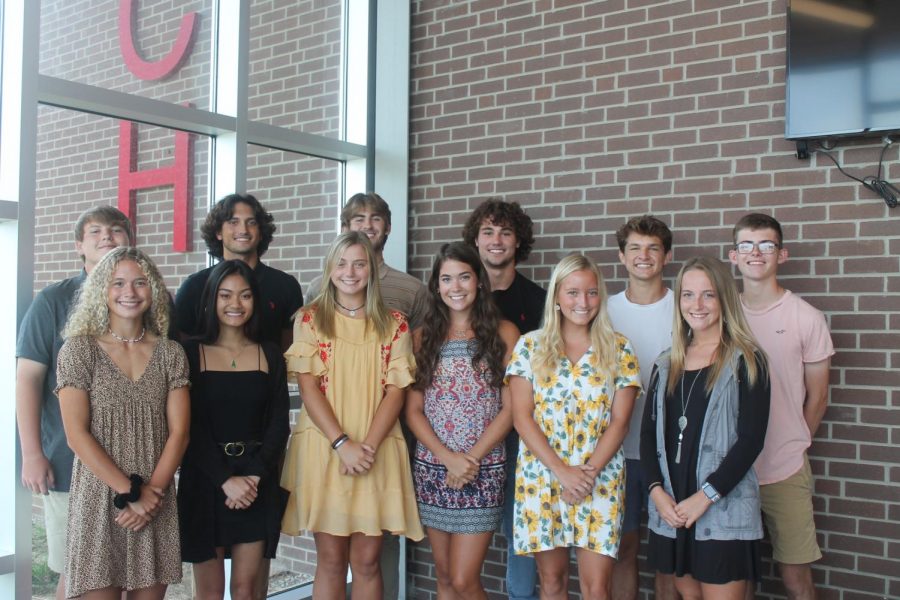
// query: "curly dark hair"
[[503, 214], [645, 225], [224, 210], [208, 299], [489, 348]]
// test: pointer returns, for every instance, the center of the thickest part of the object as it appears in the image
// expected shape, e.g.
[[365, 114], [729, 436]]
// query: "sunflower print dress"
[[572, 407]]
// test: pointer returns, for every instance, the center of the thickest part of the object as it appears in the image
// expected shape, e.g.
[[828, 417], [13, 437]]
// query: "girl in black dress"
[[702, 430], [229, 501]]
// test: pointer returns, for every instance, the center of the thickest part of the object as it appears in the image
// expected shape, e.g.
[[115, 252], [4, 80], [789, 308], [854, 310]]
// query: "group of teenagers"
[[474, 403]]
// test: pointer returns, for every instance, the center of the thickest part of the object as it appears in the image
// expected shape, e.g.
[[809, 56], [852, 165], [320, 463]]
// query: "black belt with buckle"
[[237, 448]]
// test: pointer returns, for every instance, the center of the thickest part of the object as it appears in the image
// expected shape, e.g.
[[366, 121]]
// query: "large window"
[[163, 106]]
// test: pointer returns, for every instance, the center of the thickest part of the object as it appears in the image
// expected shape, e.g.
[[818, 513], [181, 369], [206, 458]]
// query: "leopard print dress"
[[128, 419]]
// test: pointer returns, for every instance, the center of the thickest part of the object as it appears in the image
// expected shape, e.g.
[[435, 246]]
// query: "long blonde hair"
[[734, 332], [325, 304], [90, 315], [550, 346]]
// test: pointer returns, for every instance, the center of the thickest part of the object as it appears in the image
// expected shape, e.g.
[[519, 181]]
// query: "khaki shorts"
[[788, 512], [56, 518]]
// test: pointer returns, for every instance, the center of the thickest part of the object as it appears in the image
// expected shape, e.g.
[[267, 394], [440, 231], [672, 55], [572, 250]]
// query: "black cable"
[[875, 183]]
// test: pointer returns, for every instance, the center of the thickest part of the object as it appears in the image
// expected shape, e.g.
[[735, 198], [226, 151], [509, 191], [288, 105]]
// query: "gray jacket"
[[737, 515]]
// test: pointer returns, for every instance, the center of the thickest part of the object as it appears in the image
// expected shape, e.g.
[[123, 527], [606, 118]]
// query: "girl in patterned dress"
[[459, 411], [573, 385], [124, 399]]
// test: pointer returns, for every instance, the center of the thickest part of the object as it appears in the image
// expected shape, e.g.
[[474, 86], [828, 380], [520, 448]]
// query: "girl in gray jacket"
[[703, 428]]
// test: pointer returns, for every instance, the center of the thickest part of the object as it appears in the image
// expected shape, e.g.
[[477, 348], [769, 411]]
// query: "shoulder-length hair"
[[325, 304], [489, 349], [90, 315], [209, 319], [550, 346], [734, 332], [224, 210]]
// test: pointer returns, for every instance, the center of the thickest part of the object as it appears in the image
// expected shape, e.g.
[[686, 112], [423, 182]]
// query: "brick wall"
[[590, 112], [586, 113]]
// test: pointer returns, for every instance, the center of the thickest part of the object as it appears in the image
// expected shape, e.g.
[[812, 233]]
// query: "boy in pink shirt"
[[795, 337]]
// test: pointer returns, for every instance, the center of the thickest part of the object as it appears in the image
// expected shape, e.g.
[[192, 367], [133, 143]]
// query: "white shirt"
[[649, 329]]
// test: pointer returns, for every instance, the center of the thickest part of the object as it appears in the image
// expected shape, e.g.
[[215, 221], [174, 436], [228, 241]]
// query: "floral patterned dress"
[[572, 407], [460, 404]]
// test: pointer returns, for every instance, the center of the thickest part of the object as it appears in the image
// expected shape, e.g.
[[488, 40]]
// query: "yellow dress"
[[353, 370]]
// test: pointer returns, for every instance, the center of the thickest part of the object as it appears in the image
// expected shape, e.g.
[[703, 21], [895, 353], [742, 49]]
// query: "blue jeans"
[[521, 571]]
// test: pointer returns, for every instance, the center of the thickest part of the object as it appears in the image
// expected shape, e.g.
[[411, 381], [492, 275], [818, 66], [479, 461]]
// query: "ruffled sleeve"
[[520, 360], [75, 365], [305, 354], [176, 365], [402, 364]]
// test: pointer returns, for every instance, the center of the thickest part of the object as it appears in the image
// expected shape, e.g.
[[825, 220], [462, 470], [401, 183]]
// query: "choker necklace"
[[682, 420], [351, 311], [128, 340], [461, 333]]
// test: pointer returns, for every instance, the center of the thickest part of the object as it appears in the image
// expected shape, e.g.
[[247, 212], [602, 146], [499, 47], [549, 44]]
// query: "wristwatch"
[[711, 493]]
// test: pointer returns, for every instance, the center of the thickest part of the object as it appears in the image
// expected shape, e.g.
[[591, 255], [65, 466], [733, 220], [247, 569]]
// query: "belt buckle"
[[234, 448]]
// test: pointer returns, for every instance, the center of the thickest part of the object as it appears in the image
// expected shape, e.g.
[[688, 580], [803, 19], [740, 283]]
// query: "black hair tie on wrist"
[[133, 495]]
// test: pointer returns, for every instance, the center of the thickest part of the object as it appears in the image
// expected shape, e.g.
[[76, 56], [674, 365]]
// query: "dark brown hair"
[[502, 214], [489, 348], [757, 221], [645, 225], [224, 210]]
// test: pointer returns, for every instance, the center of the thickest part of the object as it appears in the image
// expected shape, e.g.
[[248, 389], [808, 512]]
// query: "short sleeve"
[[817, 345], [629, 372], [520, 360], [304, 354], [402, 365], [75, 365], [36, 334], [177, 371]]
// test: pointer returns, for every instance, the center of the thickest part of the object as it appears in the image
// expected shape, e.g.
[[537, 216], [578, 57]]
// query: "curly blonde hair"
[[550, 344], [90, 314]]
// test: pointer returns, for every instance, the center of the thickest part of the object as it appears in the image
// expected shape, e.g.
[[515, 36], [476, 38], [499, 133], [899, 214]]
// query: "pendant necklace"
[[235, 357], [128, 340], [682, 420], [350, 311]]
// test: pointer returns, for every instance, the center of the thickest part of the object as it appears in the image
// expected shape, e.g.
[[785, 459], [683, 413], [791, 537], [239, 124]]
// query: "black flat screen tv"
[[843, 68]]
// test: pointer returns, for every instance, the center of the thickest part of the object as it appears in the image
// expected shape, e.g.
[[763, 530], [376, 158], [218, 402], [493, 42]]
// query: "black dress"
[[233, 406], [707, 561]]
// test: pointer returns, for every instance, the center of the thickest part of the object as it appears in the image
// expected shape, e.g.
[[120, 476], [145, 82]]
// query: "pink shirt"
[[792, 333]]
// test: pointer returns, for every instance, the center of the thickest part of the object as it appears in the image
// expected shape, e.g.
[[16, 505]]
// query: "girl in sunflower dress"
[[573, 385], [347, 465]]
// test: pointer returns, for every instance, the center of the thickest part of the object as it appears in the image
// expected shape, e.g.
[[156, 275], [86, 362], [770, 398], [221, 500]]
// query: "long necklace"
[[350, 311], [128, 340], [683, 420]]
